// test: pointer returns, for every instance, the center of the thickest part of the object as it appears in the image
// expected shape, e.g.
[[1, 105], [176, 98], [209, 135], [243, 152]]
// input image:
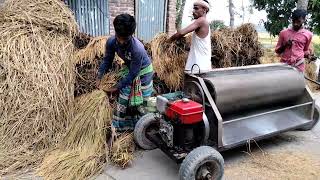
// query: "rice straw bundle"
[[87, 75], [122, 150], [110, 80], [235, 47], [251, 49], [169, 60], [37, 77], [81, 40], [221, 50], [94, 50], [88, 62], [83, 151], [147, 47], [53, 15]]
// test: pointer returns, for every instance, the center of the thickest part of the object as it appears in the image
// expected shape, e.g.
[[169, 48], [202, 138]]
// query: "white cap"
[[202, 3]]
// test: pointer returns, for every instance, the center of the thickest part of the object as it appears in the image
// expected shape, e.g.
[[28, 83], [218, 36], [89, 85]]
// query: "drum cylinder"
[[239, 91]]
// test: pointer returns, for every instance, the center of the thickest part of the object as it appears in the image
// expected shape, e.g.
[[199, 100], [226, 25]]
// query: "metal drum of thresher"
[[238, 89]]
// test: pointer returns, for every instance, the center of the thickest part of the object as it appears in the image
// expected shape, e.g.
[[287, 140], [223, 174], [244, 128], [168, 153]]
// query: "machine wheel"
[[142, 126], [314, 122], [203, 162]]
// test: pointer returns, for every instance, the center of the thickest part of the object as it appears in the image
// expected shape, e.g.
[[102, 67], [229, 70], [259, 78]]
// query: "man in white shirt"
[[200, 50]]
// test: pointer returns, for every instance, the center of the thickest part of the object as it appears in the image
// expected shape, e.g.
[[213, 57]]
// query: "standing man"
[[294, 43], [136, 83], [200, 50]]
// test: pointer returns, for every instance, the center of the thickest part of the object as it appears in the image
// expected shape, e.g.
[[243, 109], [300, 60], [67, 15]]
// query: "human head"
[[298, 18], [124, 26], [200, 8]]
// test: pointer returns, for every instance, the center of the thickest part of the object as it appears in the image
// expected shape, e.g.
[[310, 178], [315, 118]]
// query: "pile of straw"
[[122, 150], [83, 152], [169, 59], [110, 79], [238, 47], [94, 50], [81, 40], [235, 47], [37, 77]]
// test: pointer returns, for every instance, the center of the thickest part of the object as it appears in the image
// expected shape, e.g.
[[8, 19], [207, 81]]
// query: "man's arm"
[[107, 60], [135, 67], [180, 33]]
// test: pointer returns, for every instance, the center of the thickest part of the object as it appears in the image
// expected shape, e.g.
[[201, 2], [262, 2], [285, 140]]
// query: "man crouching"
[[136, 84]]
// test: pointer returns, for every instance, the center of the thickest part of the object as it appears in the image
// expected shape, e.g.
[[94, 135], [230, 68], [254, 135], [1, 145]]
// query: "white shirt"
[[200, 53]]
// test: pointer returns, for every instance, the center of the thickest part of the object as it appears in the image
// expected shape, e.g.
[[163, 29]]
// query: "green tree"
[[279, 13], [217, 24]]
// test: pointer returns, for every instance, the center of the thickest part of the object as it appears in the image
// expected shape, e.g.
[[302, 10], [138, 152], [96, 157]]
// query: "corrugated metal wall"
[[151, 18], [92, 15]]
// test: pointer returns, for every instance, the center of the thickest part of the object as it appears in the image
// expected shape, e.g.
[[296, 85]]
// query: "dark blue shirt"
[[134, 56]]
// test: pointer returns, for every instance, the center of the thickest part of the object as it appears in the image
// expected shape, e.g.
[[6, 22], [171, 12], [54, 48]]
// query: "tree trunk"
[[180, 9], [302, 4], [231, 12]]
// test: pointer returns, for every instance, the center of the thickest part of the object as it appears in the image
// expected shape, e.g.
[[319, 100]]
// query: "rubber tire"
[[198, 157], [139, 134], [309, 126]]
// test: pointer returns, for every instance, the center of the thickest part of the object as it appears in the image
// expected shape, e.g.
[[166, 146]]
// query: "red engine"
[[186, 111], [181, 123]]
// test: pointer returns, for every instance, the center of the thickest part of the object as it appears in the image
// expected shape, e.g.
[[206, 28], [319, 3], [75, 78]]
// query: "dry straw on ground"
[[121, 152], [37, 76], [277, 166], [83, 152]]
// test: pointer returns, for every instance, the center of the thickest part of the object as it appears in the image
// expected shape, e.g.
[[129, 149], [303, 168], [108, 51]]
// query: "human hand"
[[288, 44], [111, 90]]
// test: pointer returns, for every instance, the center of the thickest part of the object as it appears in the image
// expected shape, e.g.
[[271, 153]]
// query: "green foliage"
[[314, 9], [279, 13], [217, 24]]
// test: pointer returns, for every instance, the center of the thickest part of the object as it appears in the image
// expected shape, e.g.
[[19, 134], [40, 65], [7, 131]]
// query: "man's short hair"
[[299, 13], [124, 25]]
